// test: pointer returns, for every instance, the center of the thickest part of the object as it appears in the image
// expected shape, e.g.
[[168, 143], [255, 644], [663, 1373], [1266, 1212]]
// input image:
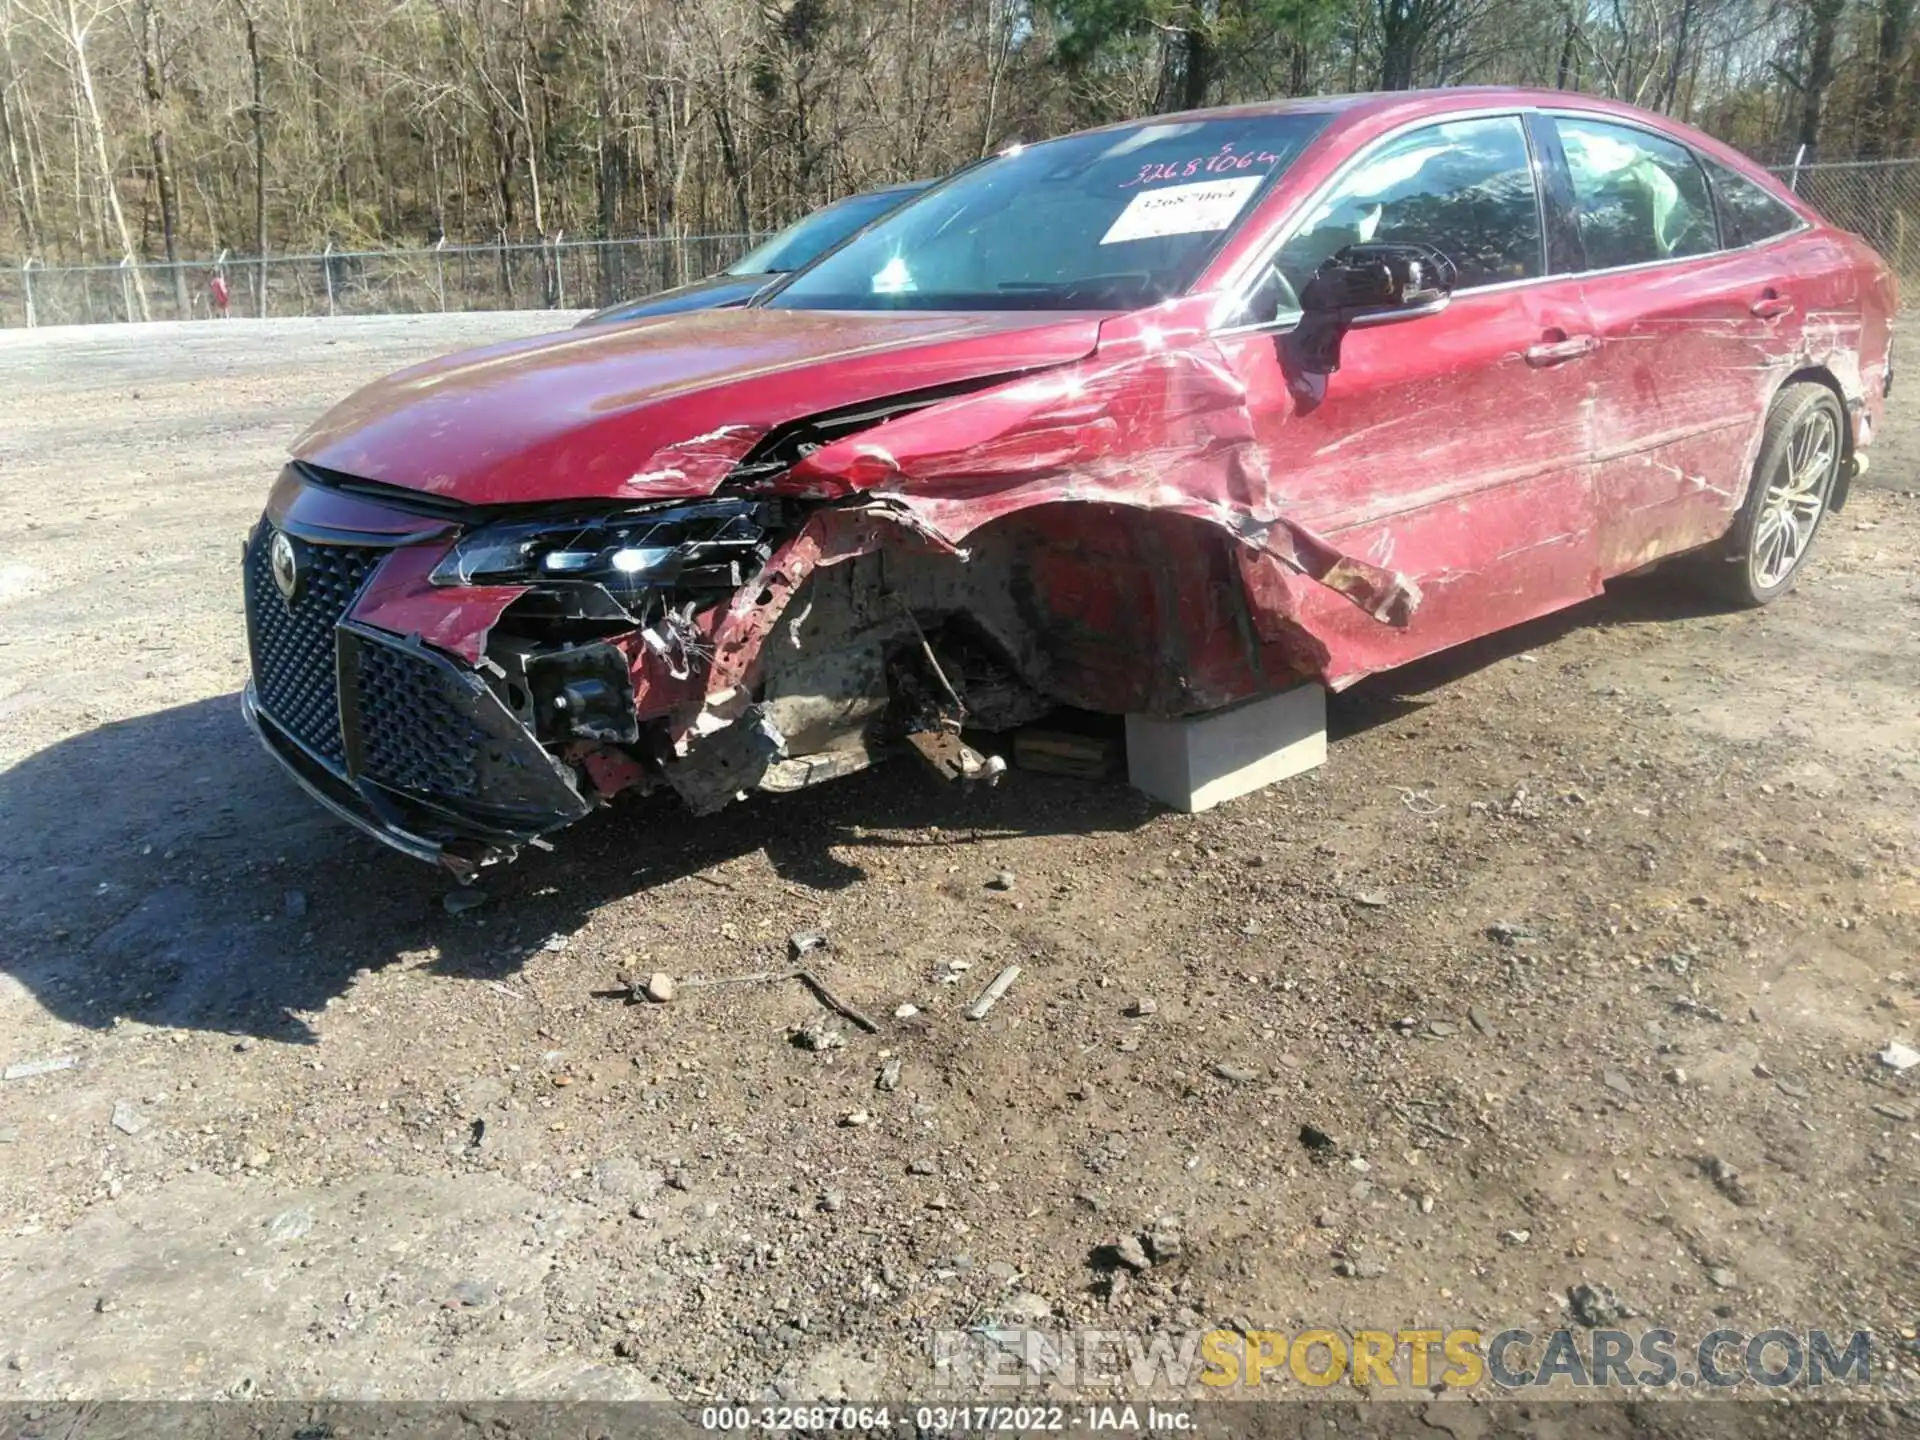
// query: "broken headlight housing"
[[711, 546]]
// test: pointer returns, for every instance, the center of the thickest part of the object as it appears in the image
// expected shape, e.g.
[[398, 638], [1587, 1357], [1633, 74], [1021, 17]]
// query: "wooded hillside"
[[163, 127]]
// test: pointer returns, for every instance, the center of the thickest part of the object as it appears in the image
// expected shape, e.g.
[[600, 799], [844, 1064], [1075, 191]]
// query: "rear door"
[[1688, 331], [1452, 447]]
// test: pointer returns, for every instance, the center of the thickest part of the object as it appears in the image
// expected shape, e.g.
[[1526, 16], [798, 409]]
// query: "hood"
[[658, 408], [709, 294]]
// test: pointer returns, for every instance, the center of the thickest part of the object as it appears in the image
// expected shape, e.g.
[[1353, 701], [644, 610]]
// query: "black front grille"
[[293, 645], [416, 730]]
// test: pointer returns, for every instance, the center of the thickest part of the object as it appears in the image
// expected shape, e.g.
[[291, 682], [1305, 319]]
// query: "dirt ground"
[[1568, 917]]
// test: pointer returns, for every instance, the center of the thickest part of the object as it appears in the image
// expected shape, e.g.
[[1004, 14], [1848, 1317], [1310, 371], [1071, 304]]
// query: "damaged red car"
[[1146, 420]]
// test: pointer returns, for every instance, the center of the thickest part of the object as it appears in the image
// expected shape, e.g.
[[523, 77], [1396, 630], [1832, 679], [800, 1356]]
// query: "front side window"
[[1463, 186], [1112, 220], [1748, 214], [1637, 198]]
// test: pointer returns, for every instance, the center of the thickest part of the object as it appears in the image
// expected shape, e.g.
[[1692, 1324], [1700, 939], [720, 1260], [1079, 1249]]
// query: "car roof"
[[1362, 106]]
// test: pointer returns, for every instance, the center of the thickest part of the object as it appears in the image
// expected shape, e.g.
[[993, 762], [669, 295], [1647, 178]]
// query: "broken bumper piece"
[[409, 745]]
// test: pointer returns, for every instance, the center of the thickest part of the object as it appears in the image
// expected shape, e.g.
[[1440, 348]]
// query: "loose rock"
[[1595, 1305], [1130, 1253], [458, 902], [128, 1120], [1000, 880], [659, 988]]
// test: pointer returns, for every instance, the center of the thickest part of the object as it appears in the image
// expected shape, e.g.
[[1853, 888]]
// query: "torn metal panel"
[[401, 599]]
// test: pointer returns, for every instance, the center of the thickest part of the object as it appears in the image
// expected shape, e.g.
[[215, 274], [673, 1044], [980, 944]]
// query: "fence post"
[[326, 269], [559, 300], [440, 271], [26, 289], [1793, 180]]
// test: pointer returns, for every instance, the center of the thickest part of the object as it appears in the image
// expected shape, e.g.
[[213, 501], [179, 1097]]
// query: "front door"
[[1451, 447]]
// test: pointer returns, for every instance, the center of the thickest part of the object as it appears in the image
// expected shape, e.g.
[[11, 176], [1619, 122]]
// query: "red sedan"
[[1145, 420]]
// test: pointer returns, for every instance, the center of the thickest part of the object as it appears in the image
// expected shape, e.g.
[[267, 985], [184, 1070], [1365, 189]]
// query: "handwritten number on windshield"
[[1223, 161]]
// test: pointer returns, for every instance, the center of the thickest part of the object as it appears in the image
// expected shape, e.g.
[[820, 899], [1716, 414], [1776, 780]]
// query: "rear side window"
[[1748, 214], [1465, 187], [1637, 198]]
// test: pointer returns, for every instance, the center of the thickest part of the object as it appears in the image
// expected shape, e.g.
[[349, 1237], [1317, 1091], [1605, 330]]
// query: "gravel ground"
[[1578, 956]]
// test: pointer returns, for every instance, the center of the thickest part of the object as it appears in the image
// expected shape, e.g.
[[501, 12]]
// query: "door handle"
[[1561, 350], [1771, 306]]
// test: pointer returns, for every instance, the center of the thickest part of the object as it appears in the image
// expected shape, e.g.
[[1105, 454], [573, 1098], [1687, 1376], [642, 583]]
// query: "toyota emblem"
[[284, 560]]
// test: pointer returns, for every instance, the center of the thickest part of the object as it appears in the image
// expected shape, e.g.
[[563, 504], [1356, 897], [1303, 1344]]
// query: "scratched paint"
[[1148, 511]]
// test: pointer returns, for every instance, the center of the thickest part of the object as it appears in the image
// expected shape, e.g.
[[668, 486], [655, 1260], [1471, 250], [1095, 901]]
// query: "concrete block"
[[1195, 762]]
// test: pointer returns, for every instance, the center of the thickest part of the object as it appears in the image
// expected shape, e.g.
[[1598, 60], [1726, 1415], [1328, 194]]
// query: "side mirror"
[[1369, 284]]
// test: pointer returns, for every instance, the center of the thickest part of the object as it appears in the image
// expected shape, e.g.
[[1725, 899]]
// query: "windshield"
[[812, 235], [1112, 220]]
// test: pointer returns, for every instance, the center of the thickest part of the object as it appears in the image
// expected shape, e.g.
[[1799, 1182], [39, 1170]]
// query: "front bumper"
[[397, 737]]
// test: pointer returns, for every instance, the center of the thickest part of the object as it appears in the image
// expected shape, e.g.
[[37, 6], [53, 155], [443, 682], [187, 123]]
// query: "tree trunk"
[[1896, 19], [83, 78], [258, 111], [1825, 15], [154, 80]]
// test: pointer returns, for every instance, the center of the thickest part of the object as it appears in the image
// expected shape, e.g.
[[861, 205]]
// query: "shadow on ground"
[[162, 869]]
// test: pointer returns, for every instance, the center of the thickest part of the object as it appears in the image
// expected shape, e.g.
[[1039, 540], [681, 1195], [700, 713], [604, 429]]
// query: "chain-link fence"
[[1879, 199], [1876, 199], [556, 274]]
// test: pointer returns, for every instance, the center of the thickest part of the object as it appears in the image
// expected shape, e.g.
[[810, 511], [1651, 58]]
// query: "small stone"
[[1481, 1021], [1899, 1057], [833, 1200], [105, 1305], [259, 1160], [1324, 1220], [1372, 899], [1727, 1180], [1130, 1253], [127, 1120], [805, 942], [1615, 1081], [1893, 1110], [289, 1225], [459, 902], [659, 988], [1676, 1076], [1238, 1074], [1143, 1007], [1442, 1029], [244, 1044], [1792, 1088], [1595, 1305], [817, 1035], [1722, 1278], [889, 1076], [1516, 1237], [906, 1012], [854, 1119], [27, 1069], [921, 1167], [1164, 1242], [1001, 880], [295, 904], [1359, 1267]]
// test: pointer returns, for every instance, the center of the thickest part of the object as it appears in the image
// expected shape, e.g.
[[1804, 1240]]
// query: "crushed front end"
[[461, 683]]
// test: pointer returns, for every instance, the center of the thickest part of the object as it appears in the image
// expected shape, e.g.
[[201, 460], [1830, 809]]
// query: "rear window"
[[1748, 214], [1637, 196]]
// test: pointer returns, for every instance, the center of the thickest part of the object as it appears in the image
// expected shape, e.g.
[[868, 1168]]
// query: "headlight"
[[709, 545]]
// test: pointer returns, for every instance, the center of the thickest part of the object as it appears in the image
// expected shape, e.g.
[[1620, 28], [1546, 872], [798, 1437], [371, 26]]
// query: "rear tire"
[[1793, 479]]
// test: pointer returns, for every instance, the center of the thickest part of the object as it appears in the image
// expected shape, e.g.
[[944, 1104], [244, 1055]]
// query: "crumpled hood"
[[662, 408]]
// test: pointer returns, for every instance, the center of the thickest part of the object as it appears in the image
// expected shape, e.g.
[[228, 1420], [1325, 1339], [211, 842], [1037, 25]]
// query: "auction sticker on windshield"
[[1182, 209]]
